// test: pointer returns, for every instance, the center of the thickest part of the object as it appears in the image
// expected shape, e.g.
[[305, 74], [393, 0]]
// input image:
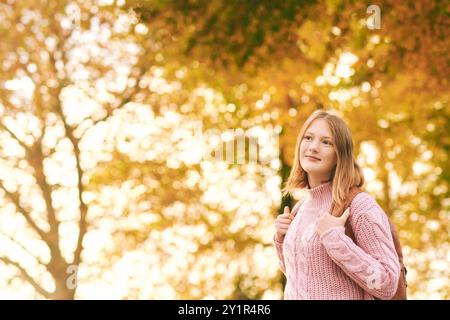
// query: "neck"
[[315, 181], [320, 196]]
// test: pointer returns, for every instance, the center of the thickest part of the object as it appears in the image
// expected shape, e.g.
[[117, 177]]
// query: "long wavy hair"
[[345, 175]]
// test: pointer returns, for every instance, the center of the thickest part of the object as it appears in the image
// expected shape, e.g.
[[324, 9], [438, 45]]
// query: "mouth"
[[313, 158]]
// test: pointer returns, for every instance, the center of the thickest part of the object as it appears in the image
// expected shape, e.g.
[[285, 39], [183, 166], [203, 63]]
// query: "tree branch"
[[15, 199], [12, 134], [27, 277], [36, 159], [74, 141], [124, 101], [83, 207], [16, 242], [142, 64]]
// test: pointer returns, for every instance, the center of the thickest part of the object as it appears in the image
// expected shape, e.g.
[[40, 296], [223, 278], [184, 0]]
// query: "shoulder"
[[366, 216], [297, 205], [365, 206], [363, 200]]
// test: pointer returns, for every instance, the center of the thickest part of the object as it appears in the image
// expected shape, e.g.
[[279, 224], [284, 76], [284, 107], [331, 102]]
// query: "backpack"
[[338, 211]]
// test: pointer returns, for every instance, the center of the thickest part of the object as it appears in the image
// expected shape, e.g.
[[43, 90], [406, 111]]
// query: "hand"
[[327, 221], [282, 223]]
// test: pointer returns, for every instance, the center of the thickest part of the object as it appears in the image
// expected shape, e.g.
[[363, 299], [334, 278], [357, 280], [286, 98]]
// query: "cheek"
[[301, 154], [331, 157], [302, 149]]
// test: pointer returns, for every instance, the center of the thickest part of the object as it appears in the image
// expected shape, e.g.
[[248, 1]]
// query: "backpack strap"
[[337, 211], [397, 245], [297, 206], [398, 248]]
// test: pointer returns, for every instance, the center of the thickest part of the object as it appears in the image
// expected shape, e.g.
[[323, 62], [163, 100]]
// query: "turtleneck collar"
[[320, 196]]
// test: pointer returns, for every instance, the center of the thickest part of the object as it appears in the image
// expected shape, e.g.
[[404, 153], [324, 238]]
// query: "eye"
[[326, 142], [307, 137]]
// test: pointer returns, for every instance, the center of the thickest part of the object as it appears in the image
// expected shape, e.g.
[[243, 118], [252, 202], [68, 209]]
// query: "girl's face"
[[317, 154]]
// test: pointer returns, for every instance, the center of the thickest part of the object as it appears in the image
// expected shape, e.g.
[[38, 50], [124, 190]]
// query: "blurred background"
[[105, 190]]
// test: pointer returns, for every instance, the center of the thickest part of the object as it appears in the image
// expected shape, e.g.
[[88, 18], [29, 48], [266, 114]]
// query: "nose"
[[312, 151], [313, 147]]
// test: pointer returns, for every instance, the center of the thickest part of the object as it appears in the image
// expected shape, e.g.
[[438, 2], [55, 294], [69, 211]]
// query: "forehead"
[[319, 127]]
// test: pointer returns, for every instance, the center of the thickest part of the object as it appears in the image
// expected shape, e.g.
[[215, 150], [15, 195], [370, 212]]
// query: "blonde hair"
[[345, 175]]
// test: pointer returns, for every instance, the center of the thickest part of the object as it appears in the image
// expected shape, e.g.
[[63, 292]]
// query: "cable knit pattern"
[[333, 266]]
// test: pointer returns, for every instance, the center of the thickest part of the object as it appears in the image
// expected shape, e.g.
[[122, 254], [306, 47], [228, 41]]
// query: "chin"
[[308, 169], [308, 164], [312, 168]]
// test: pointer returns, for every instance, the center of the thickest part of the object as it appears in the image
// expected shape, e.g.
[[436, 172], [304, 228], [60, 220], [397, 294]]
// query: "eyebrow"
[[322, 136]]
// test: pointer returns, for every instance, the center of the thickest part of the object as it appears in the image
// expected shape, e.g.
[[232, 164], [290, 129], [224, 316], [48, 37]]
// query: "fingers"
[[285, 217], [284, 220], [288, 212], [345, 214], [282, 231], [283, 228], [282, 223]]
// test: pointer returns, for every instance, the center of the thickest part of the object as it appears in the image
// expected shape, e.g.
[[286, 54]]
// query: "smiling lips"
[[313, 158]]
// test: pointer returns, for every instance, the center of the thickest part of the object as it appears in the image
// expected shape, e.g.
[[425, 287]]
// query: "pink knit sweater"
[[333, 266]]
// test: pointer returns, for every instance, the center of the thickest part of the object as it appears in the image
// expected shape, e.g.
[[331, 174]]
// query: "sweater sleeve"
[[279, 245], [279, 248], [373, 263]]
